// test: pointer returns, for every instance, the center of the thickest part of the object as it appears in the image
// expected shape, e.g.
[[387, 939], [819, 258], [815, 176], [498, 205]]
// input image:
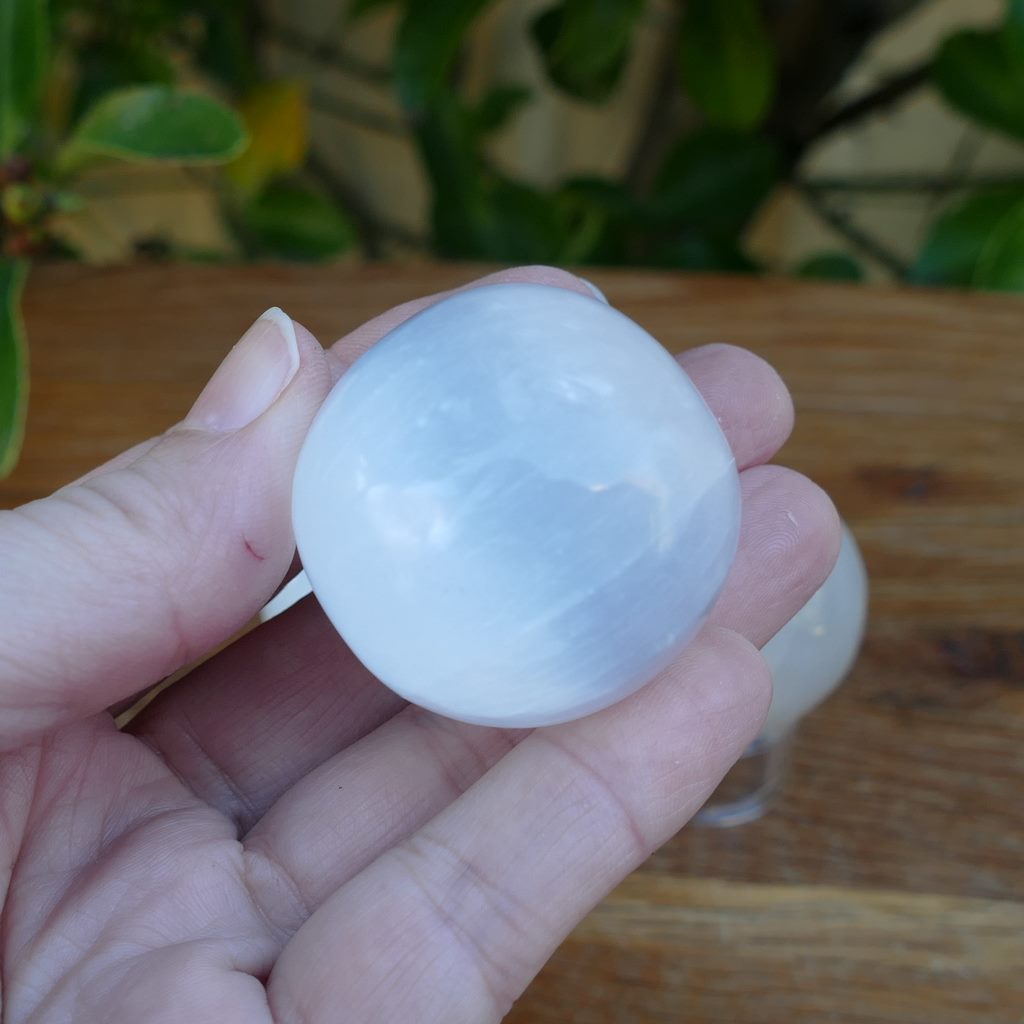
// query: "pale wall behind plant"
[[556, 136]]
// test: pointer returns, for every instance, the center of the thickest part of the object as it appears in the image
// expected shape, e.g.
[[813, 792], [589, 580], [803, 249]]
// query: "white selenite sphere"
[[812, 653], [516, 508]]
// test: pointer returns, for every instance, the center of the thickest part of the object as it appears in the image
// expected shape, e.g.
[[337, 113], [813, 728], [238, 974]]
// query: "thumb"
[[117, 580]]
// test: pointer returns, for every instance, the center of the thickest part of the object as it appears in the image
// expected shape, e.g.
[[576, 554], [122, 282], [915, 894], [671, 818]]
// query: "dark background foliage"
[[742, 90]]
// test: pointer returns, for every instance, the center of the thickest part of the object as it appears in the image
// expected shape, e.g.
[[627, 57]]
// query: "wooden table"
[[888, 886]]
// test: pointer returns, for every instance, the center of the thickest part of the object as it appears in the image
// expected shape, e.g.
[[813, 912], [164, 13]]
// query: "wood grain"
[[674, 949], [888, 886]]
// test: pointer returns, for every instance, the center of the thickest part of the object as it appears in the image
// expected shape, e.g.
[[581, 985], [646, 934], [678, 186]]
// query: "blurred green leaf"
[[521, 224], [13, 363], [727, 61], [585, 44], [694, 250], [117, 43], [359, 8], [500, 104], [427, 42], [291, 221], [110, 64], [229, 47], [124, 17], [982, 73], [955, 243], [276, 115], [59, 94], [478, 213], [449, 148], [715, 180], [831, 266], [611, 196], [705, 194], [1001, 264], [156, 123], [24, 60], [598, 218]]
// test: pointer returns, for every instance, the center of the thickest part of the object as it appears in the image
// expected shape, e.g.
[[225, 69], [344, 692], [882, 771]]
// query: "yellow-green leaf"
[[13, 363], [277, 118]]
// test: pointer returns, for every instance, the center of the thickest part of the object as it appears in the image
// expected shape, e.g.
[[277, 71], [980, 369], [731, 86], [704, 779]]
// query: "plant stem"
[[897, 183], [885, 95], [329, 104], [373, 231], [656, 135], [328, 51], [844, 225], [958, 167]]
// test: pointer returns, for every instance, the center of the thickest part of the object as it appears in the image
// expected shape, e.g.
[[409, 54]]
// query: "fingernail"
[[251, 377], [598, 294]]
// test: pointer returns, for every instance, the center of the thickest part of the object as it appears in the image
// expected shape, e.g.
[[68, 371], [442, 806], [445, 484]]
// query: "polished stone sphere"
[[516, 508], [811, 655]]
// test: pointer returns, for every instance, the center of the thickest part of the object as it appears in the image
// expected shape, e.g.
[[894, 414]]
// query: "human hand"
[[278, 838]]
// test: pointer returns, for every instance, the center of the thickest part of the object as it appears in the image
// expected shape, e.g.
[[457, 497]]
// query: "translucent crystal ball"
[[516, 508], [812, 654]]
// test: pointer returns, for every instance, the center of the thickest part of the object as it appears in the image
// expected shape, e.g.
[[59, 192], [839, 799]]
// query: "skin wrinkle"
[[205, 779], [16, 837], [108, 839], [592, 856], [92, 866], [429, 725], [88, 506], [255, 858], [605, 791], [101, 864], [481, 746], [494, 974], [41, 810], [70, 978], [187, 732]]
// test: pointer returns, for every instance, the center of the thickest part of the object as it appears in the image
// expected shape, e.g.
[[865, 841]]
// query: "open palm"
[[278, 838]]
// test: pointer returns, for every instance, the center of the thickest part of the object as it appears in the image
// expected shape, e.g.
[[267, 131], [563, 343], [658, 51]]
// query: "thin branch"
[[373, 231], [328, 51], [131, 187], [900, 183], [885, 95], [329, 104], [657, 134], [958, 169], [856, 236]]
